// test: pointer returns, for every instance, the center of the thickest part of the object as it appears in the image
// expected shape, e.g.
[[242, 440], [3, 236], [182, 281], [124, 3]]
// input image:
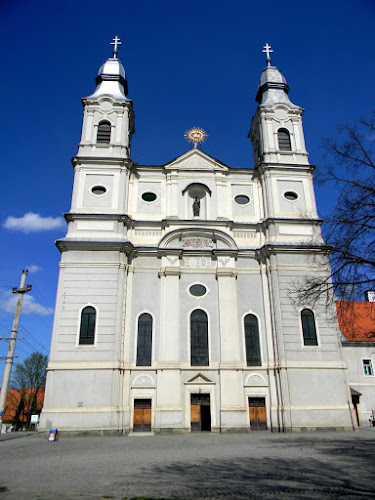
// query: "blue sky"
[[188, 63]]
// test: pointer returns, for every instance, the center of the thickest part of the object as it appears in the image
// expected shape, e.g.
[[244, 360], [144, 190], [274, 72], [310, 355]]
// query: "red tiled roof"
[[13, 400], [357, 320]]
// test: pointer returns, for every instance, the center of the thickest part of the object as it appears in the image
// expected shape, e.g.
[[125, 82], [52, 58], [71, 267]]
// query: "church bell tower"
[[280, 156], [102, 165]]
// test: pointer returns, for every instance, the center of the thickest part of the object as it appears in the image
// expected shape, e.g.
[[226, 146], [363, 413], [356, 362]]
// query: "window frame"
[[242, 205], [283, 130], [306, 308], [208, 336], [98, 185], [152, 338], [288, 199], [78, 342], [370, 366], [104, 143], [149, 192], [195, 296], [250, 313]]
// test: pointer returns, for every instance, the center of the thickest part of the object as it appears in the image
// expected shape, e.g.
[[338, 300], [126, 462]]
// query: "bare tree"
[[349, 230], [29, 378]]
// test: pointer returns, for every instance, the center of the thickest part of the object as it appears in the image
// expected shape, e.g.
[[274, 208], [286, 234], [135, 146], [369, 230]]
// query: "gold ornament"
[[196, 136]]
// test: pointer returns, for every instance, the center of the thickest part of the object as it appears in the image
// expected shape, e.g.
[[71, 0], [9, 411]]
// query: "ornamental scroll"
[[197, 242]]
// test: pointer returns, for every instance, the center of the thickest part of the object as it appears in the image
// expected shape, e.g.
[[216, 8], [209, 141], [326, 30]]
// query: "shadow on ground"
[[345, 472], [284, 469]]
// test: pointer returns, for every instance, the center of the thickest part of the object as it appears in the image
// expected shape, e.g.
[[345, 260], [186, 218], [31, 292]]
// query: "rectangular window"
[[367, 367]]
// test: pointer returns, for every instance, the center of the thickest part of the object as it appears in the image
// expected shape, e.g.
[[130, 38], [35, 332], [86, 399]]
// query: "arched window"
[[308, 327], [144, 340], [104, 132], [199, 338], [284, 139], [252, 343], [87, 329]]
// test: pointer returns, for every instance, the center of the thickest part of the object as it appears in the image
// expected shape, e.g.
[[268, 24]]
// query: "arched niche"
[[196, 201]]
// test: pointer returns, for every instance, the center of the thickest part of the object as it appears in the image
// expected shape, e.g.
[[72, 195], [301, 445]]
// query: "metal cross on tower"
[[267, 49], [116, 42]]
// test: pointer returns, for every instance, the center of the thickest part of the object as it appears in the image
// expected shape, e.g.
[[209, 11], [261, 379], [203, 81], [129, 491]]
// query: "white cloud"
[[33, 268], [8, 302], [31, 223]]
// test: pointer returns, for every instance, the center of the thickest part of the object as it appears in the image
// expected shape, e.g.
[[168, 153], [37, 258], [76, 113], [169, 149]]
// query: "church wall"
[[319, 398], [146, 299], [242, 211], [106, 200], [81, 399], [209, 304], [250, 301], [140, 206], [315, 377]]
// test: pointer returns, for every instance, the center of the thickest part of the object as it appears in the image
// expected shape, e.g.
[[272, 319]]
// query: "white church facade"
[[173, 310]]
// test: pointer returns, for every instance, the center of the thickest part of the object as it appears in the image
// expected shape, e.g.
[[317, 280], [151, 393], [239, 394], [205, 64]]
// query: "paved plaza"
[[258, 465]]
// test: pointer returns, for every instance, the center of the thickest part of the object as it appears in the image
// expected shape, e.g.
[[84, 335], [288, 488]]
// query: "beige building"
[[173, 311], [357, 323]]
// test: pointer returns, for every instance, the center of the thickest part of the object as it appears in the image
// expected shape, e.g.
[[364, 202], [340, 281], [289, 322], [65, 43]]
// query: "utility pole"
[[12, 342]]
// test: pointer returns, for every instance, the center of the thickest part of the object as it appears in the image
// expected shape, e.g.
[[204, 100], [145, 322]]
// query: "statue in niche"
[[196, 207]]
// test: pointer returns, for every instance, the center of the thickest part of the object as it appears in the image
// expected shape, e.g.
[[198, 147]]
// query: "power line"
[[33, 338]]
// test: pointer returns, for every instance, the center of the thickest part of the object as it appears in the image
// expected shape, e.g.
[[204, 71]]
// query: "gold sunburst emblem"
[[196, 136]]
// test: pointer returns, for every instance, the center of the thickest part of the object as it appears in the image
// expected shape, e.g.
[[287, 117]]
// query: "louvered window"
[[252, 342], [87, 329], [199, 338], [308, 327], [104, 133], [144, 341], [284, 139]]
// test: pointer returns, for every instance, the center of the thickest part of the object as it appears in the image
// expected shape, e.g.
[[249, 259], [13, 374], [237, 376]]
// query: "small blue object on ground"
[[53, 435]]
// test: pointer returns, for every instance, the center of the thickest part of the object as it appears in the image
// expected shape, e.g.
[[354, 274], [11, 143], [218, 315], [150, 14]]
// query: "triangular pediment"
[[195, 159], [199, 379]]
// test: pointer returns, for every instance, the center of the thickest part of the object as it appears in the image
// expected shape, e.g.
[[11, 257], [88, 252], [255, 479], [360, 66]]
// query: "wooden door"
[[195, 417], [142, 415], [257, 413], [200, 415]]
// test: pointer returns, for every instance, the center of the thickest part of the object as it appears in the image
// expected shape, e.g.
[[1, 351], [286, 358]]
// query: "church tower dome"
[[273, 88], [111, 80]]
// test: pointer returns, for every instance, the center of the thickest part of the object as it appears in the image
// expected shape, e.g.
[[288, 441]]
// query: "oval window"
[[242, 199], [291, 195], [98, 190], [149, 197], [198, 290]]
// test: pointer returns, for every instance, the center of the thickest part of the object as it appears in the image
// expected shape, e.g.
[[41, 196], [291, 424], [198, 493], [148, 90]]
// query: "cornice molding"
[[275, 248], [72, 216], [92, 244], [103, 161]]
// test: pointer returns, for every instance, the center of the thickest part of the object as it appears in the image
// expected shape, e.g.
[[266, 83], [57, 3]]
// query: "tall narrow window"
[[199, 338], [252, 342], [284, 139], [144, 341], [308, 327], [87, 329], [104, 133]]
